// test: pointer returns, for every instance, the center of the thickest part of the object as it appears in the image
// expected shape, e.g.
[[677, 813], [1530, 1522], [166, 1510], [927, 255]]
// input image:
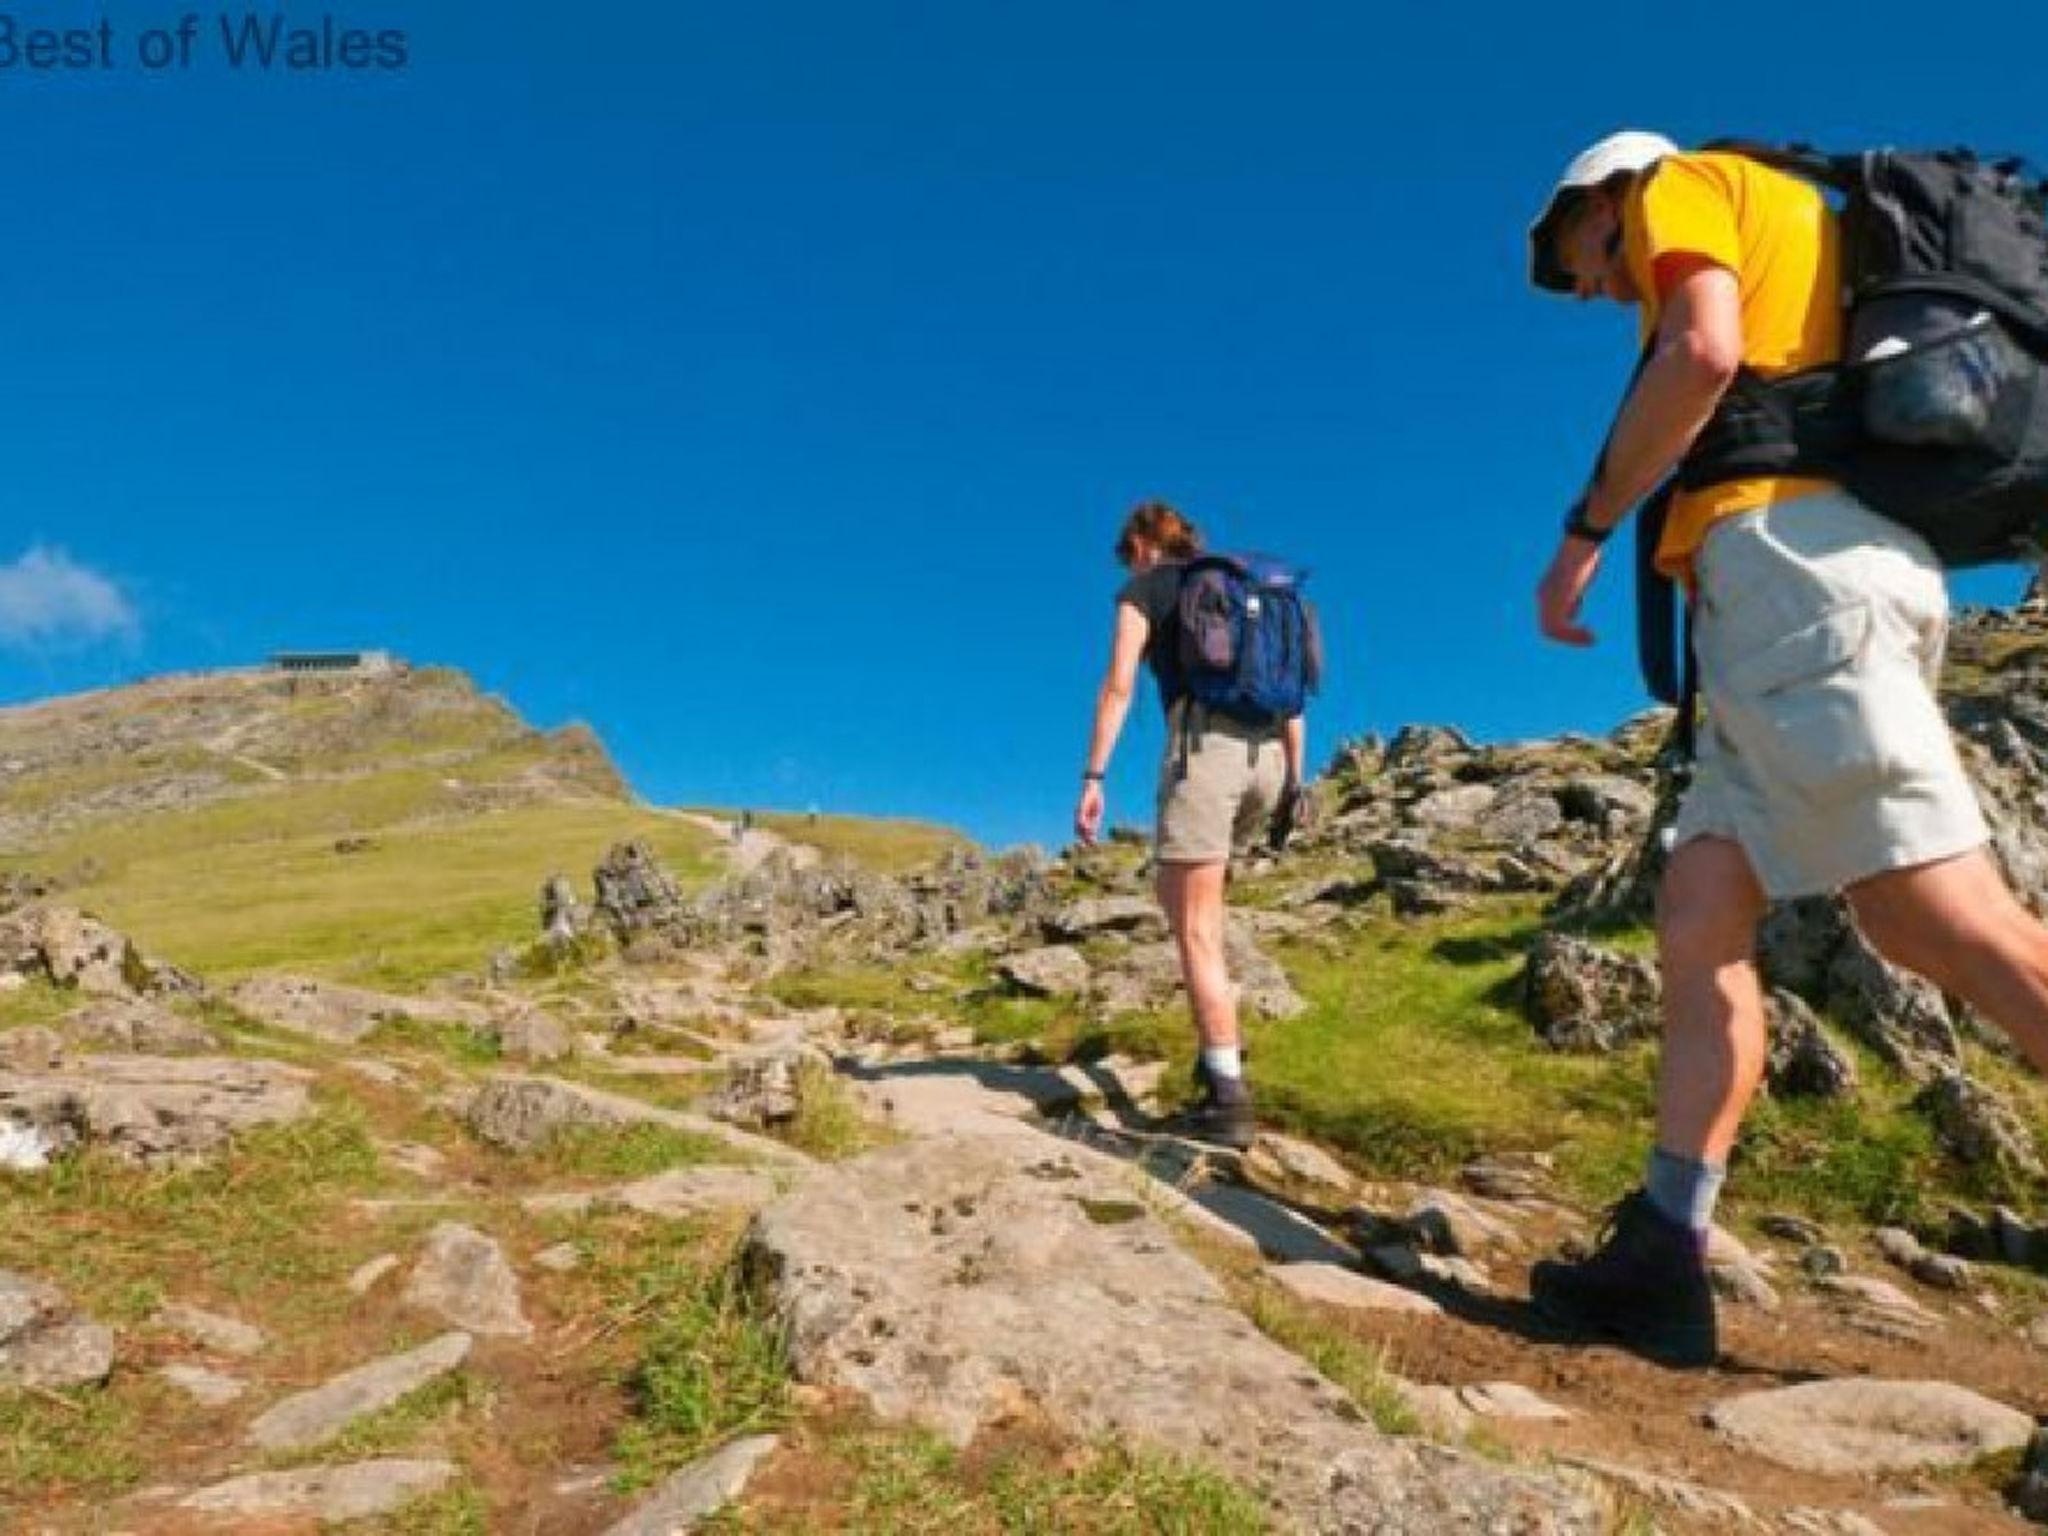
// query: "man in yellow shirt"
[[1825, 763]]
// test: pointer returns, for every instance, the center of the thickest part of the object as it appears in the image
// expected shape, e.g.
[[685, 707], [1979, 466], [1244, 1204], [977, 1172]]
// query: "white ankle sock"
[[1223, 1060]]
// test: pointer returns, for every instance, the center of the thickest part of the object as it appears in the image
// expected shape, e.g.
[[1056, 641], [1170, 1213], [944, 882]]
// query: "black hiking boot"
[[1646, 1287], [1222, 1116]]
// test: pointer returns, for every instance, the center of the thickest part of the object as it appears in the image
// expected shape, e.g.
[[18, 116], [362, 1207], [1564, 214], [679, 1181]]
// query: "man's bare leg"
[[1957, 923]]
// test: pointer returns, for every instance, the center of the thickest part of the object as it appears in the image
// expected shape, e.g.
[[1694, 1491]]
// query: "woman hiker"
[[1219, 787]]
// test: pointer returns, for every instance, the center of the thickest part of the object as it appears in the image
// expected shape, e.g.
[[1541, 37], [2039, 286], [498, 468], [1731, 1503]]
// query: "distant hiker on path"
[[1234, 650], [1824, 762]]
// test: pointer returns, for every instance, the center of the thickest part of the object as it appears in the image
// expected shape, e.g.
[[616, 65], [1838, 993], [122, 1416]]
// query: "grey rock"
[[1804, 1062], [358, 1491], [1509, 1176], [340, 1015], [32, 1048], [1457, 809], [1879, 1307], [698, 1490], [947, 1281], [160, 1111], [1133, 916], [1823, 1260], [528, 1033], [209, 1388], [562, 918], [1441, 1222], [210, 1330], [1978, 1126], [1611, 803], [634, 893], [464, 1278], [1584, 998], [1348, 1291], [1053, 970], [70, 949], [138, 1024], [1900, 1016], [1511, 1400], [1299, 1172], [314, 1417], [1793, 1229], [1860, 1426], [686, 1192], [764, 1092], [1521, 816], [1797, 943], [519, 1114], [1724, 1511], [44, 1342]]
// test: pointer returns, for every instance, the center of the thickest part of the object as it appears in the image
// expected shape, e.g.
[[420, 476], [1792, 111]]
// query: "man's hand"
[[1088, 812], [1563, 589], [1289, 812]]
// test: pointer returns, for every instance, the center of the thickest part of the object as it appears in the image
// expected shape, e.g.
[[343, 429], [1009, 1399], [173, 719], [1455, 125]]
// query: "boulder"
[[1456, 809], [634, 893], [1582, 997], [464, 1278], [528, 1033], [1131, 916], [1053, 970], [1858, 1427], [1804, 1060], [1979, 1126], [1895, 1013], [1298, 1172], [70, 949], [44, 1342], [952, 1281]]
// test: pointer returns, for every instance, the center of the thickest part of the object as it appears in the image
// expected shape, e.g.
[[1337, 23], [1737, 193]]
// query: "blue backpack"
[[1248, 645]]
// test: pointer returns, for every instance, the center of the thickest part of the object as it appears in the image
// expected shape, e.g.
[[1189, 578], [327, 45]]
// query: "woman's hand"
[[1088, 812]]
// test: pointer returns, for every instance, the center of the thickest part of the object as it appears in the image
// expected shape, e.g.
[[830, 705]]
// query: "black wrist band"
[[1089, 774], [1576, 524]]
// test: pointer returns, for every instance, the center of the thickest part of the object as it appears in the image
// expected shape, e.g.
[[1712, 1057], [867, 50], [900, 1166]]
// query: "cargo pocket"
[[1801, 711]]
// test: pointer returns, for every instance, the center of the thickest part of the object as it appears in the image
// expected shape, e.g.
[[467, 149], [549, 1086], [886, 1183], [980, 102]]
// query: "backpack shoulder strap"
[[1838, 173]]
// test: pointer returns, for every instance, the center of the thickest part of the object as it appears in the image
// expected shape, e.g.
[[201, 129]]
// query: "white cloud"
[[47, 598]]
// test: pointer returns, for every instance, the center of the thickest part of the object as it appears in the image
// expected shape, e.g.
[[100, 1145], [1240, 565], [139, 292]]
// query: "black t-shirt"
[[1156, 594]]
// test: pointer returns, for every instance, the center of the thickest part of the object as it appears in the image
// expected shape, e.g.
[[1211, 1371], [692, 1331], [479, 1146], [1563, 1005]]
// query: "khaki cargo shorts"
[[1226, 796], [1820, 628]]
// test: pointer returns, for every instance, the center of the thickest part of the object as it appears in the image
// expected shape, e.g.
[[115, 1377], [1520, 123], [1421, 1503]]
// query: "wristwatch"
[[1578, 527]]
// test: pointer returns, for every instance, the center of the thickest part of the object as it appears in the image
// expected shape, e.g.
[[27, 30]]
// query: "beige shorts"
[[1226, 796], [1820, 628]]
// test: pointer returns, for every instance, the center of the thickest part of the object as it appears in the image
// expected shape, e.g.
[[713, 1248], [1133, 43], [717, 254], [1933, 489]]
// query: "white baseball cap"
[[1629, 150]]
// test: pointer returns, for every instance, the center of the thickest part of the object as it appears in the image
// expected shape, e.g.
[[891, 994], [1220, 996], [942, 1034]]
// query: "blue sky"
[[764, 385]]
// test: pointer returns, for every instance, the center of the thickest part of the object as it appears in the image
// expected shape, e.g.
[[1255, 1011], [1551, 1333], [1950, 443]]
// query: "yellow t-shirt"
[[1778, 236]]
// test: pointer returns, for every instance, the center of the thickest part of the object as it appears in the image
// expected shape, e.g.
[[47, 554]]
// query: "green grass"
[[625, 1152], [713, 1366], [828, 1123], [457, 1511], [37, 1002], [911, 1483], [243, 887], [76, 1444]]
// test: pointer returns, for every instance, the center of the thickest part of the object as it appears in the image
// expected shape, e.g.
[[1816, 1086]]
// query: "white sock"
[[1223, 1060]]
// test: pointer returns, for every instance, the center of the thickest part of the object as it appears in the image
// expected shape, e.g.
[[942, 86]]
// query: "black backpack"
[[1938, 416]]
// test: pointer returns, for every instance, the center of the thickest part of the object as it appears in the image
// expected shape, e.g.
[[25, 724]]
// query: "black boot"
[[1222, 1115], [1646, 1286]]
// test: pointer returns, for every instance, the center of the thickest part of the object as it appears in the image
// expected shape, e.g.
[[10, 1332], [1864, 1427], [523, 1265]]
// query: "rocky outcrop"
[[952, 1282], [327, 1495], [1585, 998], [162, 1111], [70, 949]]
